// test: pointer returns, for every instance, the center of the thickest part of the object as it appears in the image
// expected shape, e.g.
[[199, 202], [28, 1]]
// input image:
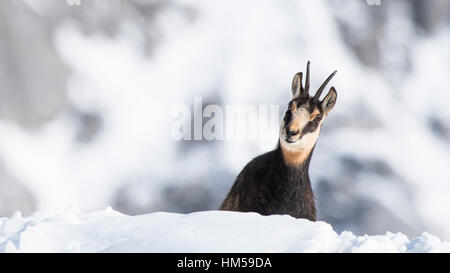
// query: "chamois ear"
[[329, 101], [297, 87]]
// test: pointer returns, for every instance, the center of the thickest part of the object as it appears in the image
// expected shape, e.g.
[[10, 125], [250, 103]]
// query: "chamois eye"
[[315, 121]]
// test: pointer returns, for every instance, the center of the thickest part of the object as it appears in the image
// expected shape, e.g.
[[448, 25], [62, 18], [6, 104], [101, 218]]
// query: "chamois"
[[277, 182]]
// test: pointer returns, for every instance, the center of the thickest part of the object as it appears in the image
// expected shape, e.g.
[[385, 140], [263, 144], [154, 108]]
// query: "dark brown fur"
[[268, 185]]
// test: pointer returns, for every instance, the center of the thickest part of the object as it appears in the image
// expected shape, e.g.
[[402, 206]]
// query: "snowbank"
[[71, 230]]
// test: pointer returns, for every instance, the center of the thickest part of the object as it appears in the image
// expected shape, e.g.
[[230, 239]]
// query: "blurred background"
[[87, 92]]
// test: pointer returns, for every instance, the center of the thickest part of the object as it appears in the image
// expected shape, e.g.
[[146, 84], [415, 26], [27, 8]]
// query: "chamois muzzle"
[[290, 134]]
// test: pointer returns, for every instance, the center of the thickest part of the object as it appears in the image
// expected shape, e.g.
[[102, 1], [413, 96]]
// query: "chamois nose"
[[291, 133]]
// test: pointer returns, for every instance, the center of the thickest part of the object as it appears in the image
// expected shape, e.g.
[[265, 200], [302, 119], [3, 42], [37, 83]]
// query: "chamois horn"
[[322, 87], [306, 93]]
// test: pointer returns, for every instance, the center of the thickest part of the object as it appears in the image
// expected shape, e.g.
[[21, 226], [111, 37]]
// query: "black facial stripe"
[[312, 125], [287, 117], [309, 128], [311, 108]]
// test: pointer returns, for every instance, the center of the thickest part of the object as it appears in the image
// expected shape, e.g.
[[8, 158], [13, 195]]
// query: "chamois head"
[[303, 120]]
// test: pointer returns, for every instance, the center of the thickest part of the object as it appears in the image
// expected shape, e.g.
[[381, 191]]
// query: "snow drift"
[[71, 230]]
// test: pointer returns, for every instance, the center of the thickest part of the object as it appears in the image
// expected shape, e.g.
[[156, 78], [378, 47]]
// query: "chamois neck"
[[296, 159], [296, 188]]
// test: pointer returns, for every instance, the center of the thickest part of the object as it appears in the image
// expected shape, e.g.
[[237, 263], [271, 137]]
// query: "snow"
[[71, 230]]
